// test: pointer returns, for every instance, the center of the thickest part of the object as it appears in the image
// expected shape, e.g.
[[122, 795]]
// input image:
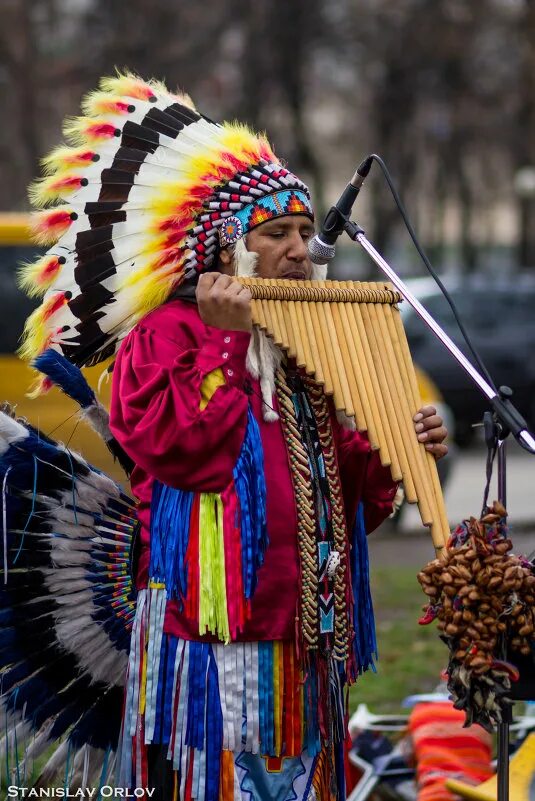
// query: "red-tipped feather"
[[48, 226], [54, 303], [102, 130]]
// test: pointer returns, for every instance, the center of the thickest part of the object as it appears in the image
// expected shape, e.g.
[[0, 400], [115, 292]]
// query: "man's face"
[[281, 245]]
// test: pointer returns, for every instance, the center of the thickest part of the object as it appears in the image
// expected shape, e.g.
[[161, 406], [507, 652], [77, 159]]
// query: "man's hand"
[[430, 429], [224, 303]]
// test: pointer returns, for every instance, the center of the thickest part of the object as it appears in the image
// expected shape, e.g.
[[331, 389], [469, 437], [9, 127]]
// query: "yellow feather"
[[37, 387], [28, 276], [63, 158], [128, 84], [34, 337], [96, 103], [44, 191], [77, 130], [74, 130], [43, 234]]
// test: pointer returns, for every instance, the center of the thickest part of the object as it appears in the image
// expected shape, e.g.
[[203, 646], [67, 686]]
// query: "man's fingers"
[[205, 283], [433, 435], [234, 288], [425, 411], [438, 449], [434, 421]]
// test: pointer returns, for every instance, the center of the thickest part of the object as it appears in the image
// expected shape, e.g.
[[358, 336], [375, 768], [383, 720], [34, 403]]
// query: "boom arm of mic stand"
[[510, 419]]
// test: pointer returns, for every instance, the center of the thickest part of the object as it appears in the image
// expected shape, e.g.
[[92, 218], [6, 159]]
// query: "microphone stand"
[[502, 421]]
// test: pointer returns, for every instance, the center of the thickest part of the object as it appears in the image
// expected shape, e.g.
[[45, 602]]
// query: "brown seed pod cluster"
[[482, 596]]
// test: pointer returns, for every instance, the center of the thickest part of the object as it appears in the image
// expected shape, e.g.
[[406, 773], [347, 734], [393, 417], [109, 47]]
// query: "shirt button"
[[226, 340], [230, 372], [225, 355]]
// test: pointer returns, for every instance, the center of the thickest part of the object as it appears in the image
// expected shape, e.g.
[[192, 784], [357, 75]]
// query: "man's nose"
[[297, 250]]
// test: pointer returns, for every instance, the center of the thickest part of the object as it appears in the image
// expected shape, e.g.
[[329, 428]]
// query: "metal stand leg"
[[503, 727], [503, 754]]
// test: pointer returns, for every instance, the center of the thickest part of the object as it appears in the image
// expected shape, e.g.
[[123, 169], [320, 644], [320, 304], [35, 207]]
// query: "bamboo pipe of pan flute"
[[364, 415], [281, 323], [440, 531], [314, 336], [379, 347], [375, 411], [343, 336], [355, 376], [296, 334], [334, 357], [291, 345], [305, 344], [375, 391], [323, 346], [344, 401], [421, 481]]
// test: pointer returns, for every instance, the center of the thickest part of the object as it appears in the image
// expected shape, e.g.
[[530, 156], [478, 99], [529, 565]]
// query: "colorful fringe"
[[206, 548], [206, 702], [365, 642]]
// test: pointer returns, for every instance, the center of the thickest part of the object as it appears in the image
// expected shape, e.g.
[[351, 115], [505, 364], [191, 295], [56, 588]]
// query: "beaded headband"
[[278, 204]]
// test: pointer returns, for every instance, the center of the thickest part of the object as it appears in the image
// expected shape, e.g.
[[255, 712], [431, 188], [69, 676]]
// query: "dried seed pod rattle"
[[483, 597]]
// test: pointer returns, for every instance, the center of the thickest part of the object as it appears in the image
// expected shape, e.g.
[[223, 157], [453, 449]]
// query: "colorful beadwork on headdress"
[[278, 204], [139, 199], [230, 231]]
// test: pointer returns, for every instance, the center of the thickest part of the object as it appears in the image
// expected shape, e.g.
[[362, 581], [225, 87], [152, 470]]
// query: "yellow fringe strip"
[[213, 614]]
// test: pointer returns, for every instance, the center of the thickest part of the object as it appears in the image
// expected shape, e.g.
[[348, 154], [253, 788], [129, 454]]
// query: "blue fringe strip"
[[198, 661], [169, 536], [266, 700], [214, 731], [250, 486], [312, 727], [365, 643]]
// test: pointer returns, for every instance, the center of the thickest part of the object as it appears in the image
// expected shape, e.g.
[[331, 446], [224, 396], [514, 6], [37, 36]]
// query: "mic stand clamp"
[[503, 420]]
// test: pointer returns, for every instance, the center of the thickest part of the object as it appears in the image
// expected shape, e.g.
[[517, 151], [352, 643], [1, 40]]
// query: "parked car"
[[499, 316]]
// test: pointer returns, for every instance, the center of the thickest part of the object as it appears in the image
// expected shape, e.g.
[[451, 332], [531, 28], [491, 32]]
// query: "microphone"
[[321, 247]]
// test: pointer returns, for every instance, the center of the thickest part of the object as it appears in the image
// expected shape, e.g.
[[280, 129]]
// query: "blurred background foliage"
[[444, 90]]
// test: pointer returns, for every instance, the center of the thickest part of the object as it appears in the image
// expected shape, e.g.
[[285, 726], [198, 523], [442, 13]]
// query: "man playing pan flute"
[[253, 611]]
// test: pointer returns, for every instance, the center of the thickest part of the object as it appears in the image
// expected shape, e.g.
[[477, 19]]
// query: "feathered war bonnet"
[[141, 199]]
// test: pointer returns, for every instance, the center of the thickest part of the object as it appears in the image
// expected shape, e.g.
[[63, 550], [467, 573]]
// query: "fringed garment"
[[215, 718]]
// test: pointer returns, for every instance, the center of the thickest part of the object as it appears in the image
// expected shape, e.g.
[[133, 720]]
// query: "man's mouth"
[[294, 275]]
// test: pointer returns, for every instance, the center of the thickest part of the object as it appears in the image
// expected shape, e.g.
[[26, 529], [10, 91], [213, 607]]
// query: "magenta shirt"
[[155, 415]]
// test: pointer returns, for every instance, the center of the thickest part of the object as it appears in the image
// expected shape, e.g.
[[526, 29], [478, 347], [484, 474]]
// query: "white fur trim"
[[244, 261], [319, 272]]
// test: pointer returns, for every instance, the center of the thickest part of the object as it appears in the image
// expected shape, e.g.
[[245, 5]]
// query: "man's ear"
[[225, 262]]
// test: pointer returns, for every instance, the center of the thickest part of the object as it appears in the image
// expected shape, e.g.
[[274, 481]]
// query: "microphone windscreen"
[[319, 251]]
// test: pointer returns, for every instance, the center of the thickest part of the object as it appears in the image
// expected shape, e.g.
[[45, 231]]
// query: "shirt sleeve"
[[363, 479], [157, 413]]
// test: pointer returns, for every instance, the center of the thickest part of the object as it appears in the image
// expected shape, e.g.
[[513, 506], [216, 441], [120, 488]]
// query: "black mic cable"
[[434, 275]]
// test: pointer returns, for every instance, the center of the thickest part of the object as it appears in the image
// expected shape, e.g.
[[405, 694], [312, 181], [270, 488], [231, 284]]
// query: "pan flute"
[[349, 337]]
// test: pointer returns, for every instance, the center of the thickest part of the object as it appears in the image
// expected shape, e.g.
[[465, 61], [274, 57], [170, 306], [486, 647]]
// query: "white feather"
[[99, 420], [53, 766], [10, 432], [70, 558]]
